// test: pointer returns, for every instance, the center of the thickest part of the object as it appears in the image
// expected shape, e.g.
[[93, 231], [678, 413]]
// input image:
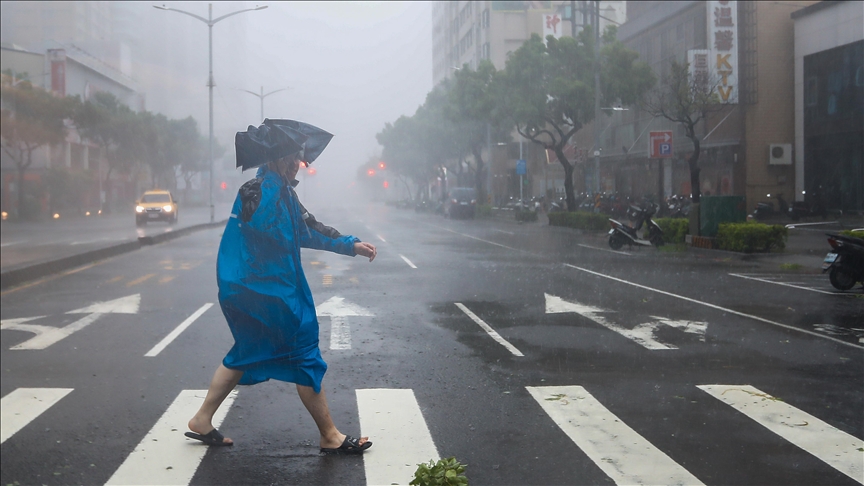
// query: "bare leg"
[[316, 404], [224, 380]]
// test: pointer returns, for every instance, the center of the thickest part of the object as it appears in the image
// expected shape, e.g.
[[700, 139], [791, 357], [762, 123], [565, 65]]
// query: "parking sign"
[[660, 144]]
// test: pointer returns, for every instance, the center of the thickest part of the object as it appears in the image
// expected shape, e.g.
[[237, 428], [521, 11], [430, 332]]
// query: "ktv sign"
[[722, 23]]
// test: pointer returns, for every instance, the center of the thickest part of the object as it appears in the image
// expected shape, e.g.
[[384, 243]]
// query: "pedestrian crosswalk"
[[395, 421]]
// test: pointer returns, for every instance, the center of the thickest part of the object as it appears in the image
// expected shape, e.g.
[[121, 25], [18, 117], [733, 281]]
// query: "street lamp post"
[[210, 21], [262, 96]]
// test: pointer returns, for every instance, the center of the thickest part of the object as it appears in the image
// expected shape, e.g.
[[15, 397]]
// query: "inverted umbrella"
[[257, 146], [314, 143]]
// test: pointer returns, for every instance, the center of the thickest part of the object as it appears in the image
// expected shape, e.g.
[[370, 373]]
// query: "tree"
[[30, 118], [473, 110], [547, 89], [686, 100], [110, 124]]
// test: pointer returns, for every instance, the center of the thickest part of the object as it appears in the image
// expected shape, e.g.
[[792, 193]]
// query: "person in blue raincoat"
[[263, 291]]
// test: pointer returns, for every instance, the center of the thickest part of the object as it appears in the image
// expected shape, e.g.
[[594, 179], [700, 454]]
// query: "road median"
[[17, 276]]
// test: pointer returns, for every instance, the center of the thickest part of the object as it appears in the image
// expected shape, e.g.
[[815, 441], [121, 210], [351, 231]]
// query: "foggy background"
[[350, 66]]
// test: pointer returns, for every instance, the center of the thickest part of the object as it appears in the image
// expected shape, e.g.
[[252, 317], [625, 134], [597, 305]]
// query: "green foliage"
[[580, 220], [751, 237], [483, 210], [853, 233], [674, 229], [547, 88], [445, 472], [525, 215]]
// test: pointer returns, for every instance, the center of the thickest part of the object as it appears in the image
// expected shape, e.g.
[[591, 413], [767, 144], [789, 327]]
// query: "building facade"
[[746, 147], [829, 104]]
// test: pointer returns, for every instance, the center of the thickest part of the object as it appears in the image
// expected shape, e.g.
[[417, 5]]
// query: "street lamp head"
[[163, 7], [260, 8]]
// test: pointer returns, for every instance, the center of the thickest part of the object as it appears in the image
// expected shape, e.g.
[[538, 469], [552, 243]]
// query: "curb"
[[12, 278]]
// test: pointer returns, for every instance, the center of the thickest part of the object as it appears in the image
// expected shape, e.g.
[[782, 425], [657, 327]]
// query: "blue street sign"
[[521, 167], [665, 148]]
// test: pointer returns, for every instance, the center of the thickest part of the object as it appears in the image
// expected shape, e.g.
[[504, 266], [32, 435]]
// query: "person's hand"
[[365, 249]]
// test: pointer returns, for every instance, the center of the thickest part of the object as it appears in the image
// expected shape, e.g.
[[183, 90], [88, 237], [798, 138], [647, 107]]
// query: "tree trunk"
[[568, 177], [478, 176], [693, 161]]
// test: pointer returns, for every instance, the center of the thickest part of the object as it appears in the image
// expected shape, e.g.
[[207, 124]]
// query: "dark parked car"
[[460, 202]]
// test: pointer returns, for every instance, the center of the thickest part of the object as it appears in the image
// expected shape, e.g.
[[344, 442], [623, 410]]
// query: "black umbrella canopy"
[[257, 146], [314, 143]]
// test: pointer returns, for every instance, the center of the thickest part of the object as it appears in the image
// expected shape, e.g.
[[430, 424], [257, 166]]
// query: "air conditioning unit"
[[780, 154]]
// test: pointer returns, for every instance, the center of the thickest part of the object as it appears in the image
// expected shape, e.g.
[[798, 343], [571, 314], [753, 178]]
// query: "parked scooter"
[[765, 210], [622, 233], [812, 206], [845, 261]]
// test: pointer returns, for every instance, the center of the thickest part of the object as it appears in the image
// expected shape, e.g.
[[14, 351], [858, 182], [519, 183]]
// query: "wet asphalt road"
[[639, 331]]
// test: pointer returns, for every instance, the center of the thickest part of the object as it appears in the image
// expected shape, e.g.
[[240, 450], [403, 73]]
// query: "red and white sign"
[[660, 144]]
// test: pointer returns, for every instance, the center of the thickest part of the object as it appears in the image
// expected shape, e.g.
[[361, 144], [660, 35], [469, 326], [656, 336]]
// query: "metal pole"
[[262, 103], [573, 18], [520, 175], [596, 96], [210, 84]]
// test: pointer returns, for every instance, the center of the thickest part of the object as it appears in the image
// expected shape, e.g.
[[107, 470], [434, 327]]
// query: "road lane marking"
[[642, 334], [340, 333], [713, 306], [624, 455], [505, 232], [339, 311], [20, 407], [166, 279], [164, 456], [836, 448], [176, 332], [51, 277], [486, 327], [408, 261], [140, 279], [4, 245], [785, 284], [115, 279], [392, 420], [381, 238], [724, 309]]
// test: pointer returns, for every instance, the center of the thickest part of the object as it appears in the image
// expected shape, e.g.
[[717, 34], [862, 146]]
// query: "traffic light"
[[382, 165]]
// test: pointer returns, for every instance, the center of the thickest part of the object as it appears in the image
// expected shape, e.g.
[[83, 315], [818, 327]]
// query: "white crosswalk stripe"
[[833, 446], [163, 457], [624, 455], [401, 439], [394, 421], [20, 407]]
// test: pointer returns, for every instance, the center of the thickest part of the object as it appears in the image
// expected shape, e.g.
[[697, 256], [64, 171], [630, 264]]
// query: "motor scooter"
[[765, 210], [622, 233], [845, 262]]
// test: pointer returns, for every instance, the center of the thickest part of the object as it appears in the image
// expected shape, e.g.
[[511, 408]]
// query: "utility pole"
[[596, 27]]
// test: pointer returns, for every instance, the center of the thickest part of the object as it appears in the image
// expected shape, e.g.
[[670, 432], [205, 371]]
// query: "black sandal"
[[349, 446], [212, 438]]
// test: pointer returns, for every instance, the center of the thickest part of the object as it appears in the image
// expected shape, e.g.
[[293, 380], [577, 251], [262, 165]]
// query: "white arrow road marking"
[[394, 423], [642, 333], [20, 407], [164, 456], [123, 305], [176, 332], [48, 335], [339, 310], [624, 455], [492, 332], [830, 444]]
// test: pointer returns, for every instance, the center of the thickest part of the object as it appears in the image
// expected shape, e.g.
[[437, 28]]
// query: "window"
[[485, 52], [485, 18], [811, 93]]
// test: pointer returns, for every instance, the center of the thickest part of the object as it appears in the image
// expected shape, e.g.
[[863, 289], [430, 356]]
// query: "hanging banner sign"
[[723, 43], [57, 57]]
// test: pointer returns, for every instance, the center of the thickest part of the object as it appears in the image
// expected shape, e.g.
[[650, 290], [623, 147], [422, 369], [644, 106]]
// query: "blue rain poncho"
[[263, 291]]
